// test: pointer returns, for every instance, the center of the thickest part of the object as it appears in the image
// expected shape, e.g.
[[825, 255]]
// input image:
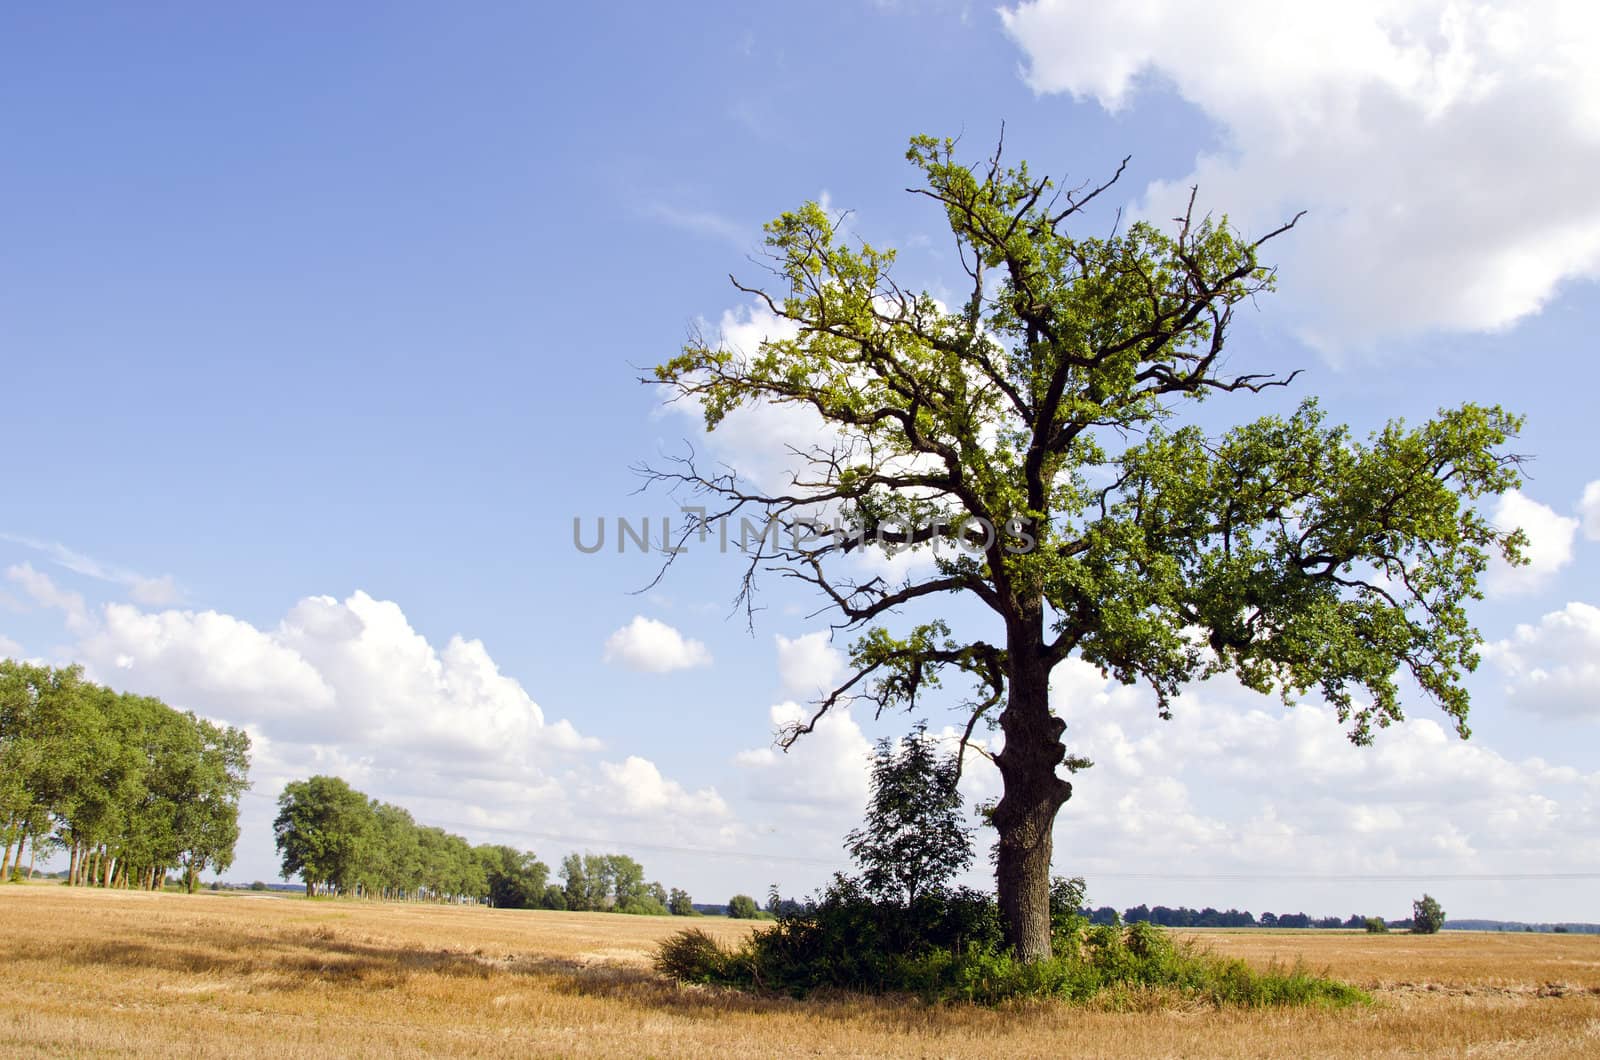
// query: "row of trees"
[[1208, 917], [340, 841], [131, 788]]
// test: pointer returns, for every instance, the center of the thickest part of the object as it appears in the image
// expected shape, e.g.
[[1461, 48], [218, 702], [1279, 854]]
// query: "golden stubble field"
[[95, 973]]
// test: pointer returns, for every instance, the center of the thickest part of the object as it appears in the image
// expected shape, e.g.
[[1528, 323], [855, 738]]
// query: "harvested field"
[[101, 973]]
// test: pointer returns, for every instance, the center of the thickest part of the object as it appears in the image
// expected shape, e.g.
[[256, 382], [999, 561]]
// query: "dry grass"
[[94, 973]]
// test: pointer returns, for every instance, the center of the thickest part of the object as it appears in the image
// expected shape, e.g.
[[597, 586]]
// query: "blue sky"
[[320, 326]]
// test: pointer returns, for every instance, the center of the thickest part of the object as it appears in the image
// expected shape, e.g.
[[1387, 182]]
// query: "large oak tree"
[[1040, 425]]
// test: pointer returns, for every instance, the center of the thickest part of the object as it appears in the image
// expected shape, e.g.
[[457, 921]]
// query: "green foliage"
[[743, 907], [326, 832], [129, 786], [949, 948], [1050, 400], [1376, 926], [516, 879], [600, 882], [680, 904], [1426, 916], [1067, 901], [913, 840], [1310, 560], [341, 842], [692, 956]]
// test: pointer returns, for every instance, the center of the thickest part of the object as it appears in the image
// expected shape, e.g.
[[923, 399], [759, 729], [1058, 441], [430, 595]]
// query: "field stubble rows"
[[97, 973]]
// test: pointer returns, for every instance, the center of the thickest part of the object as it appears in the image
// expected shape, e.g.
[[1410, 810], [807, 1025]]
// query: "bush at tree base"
[[948, 946]]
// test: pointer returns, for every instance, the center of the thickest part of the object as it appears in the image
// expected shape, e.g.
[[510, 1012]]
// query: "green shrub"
[[948, 947], [1376, 926], [692, 956], [743, 907]]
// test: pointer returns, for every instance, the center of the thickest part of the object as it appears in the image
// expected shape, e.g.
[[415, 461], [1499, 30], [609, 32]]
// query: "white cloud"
[[757, 439], [1236, 785], [44, 592], [1589, 510], [825, 771], [809, 665], [9, 649], [654, 647], [331, 672], [1444, 150], [155, 592], [1549, 547], [641, 789], [1553, 667], [351, 688]]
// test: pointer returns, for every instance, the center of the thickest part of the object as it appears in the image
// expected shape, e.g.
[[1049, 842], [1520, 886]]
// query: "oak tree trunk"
[[1033, 793]]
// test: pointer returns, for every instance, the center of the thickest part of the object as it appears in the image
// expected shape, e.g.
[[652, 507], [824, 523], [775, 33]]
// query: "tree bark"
[[1033, 793]]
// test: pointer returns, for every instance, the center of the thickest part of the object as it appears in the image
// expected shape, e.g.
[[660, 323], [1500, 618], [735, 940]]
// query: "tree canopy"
[[1427, 916], [913, 839], [132, 788], [340, 841], [1037, 427]]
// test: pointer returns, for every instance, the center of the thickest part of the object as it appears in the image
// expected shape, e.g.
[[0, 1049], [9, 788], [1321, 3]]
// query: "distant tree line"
[[131, 788], [341, 842], [1208, 917]]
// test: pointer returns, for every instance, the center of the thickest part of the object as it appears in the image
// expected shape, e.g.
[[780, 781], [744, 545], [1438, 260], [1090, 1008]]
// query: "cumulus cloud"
[[1553, 666], [331, 672], [641, 789], [1589, 511], [1442, 149], [1236, 785], [809, 665], [349, 687], [826, 770], [9, 649], [758, 439], [1549, 547], [654, 647]]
